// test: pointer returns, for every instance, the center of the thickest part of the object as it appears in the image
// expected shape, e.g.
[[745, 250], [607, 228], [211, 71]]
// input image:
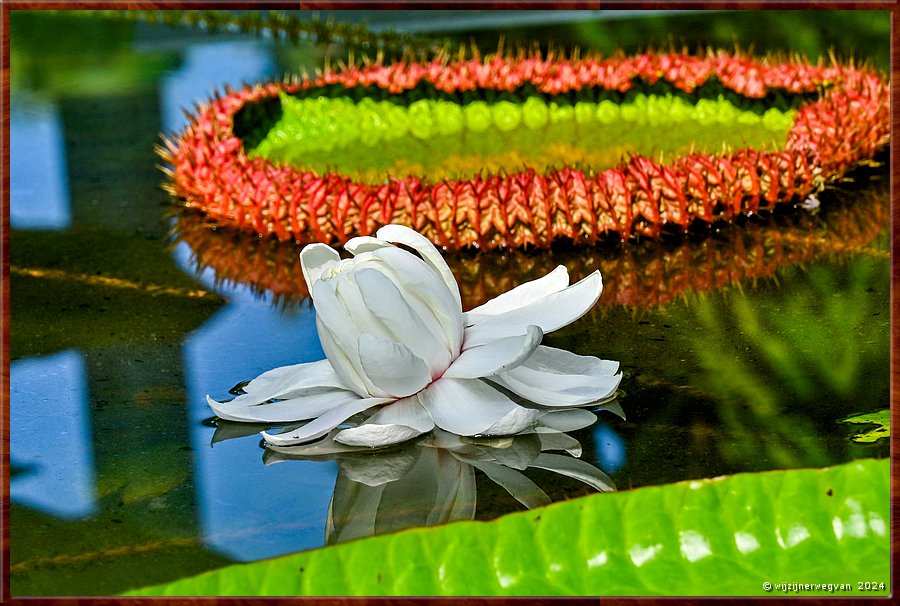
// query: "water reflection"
[[609, 448], [245, 338], [770, 359], [52, 460], [209, 67], [433, 480], [285, 510], [638, 275], [39, 188], [352, 492]]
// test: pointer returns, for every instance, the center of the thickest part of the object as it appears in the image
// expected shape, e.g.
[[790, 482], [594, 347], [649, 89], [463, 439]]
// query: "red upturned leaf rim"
[[846, 125]]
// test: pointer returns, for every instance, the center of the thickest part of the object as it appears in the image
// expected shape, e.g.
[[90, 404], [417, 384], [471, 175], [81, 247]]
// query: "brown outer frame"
[[9, 5]]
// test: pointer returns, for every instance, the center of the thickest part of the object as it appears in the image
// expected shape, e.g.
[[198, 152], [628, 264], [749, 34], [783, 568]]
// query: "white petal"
[[488, 332], [613, 407], [564, 362], [575, 468], [323, 424], [408, 411], [423, 246], [376, 436], [320, 448], [515, 483], [307, 406], [495, 357], [470, 407], [392, 367], [560, 441], [362, 244], [338, 336], [571, 419], [425, 291], [401, 323], [550, 313], [555, 377], [315, 259], [403, 420], [522, 294], [288, 382]]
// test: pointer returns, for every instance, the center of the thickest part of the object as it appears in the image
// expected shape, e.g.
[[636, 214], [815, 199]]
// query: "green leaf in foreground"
[[880, 418], [726, 536]]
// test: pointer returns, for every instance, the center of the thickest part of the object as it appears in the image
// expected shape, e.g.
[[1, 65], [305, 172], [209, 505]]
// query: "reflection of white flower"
[[433, 481], [399, 346]]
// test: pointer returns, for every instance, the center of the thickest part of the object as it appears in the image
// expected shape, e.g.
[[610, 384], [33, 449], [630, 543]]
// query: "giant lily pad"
[[263, 158], [737, 535]]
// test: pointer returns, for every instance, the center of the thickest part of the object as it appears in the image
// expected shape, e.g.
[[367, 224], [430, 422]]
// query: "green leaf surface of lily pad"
[[880, 418], [734, 535]]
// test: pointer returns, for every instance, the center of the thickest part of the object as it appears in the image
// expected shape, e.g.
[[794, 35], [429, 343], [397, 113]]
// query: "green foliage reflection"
[[783, 363]]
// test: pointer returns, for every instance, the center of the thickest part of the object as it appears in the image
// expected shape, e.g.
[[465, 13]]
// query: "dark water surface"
[[741, 350]]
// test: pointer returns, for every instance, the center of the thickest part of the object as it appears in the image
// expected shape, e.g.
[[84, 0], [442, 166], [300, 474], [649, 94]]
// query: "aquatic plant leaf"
[[640, 196], [880, 418], [726, 536]]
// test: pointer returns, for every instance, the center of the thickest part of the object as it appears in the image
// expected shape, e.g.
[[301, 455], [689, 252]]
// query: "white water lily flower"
[[399, 347]]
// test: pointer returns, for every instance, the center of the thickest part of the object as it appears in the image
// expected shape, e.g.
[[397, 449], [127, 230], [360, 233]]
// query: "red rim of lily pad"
[[844, 126]]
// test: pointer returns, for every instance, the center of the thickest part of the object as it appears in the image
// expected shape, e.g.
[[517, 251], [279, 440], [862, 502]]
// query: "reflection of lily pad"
[[880, 418], [635, 276]]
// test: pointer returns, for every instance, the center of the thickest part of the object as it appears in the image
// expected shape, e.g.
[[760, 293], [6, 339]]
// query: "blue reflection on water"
[[50, 435], [39, 190], [245, 513], [609, 448], [207, 68]]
